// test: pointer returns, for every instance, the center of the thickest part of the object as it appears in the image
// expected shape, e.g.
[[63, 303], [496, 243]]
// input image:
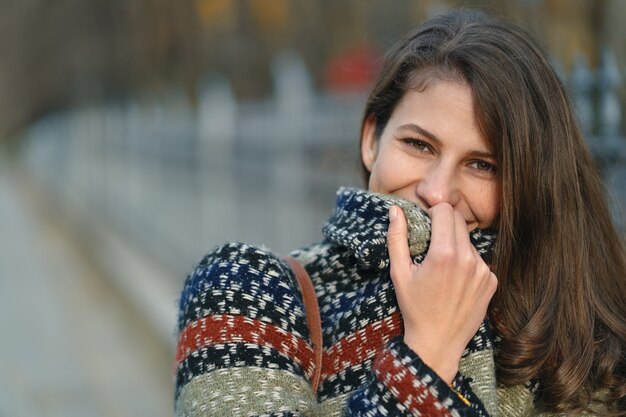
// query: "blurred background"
[[135, 136]]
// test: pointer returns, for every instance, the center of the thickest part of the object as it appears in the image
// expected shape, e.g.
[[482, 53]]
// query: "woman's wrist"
[[444, 363]]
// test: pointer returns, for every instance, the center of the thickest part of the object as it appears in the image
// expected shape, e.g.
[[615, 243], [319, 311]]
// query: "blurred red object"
[[354, 70]]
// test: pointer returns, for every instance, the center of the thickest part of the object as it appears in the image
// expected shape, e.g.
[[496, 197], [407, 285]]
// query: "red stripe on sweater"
[[364, 344], [406, 387], [228, 328]]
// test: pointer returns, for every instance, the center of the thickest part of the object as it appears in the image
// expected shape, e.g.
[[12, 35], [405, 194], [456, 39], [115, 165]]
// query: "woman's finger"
[[461, 235], [398, 244], [443, 237]]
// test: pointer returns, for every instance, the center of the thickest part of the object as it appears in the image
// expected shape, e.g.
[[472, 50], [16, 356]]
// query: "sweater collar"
[[361, 218]]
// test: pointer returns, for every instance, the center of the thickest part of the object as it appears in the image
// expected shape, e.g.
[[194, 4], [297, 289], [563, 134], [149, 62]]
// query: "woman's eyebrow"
[[419, 130], [479, 153], [482, 154]]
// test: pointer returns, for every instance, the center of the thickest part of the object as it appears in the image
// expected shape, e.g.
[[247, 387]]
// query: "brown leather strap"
[[313, 319]]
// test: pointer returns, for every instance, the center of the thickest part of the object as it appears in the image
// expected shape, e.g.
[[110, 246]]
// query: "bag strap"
[[313, 319]]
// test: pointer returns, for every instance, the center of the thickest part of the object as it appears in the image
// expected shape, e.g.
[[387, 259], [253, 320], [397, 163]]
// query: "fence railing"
[[178, 180], [596, 96]]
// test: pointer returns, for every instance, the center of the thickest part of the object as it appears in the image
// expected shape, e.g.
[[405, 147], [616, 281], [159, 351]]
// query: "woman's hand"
[[444, 299]]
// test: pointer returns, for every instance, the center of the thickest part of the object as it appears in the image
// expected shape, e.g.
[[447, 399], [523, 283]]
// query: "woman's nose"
[[438, 185]]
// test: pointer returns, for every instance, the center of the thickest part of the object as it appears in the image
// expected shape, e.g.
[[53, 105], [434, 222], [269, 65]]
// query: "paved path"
[[69, 345]]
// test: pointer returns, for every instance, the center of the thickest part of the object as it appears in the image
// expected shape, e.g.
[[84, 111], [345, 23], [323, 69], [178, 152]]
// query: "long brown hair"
[[560, 307]]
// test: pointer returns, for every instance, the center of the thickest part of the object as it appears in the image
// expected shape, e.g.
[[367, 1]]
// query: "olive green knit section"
[[480, 367], [515, 401], [334, 407], [418, 222], [239, 392]]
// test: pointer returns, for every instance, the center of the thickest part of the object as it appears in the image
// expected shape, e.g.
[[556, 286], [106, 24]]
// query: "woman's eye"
[[484, 166], [418, 144]]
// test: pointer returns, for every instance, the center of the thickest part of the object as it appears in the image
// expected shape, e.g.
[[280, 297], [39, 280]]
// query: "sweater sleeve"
[[243, 345], [403, 385]]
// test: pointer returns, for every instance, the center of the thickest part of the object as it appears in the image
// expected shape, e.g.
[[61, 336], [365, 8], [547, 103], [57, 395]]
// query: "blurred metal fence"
[[178, 180], [596, 98]]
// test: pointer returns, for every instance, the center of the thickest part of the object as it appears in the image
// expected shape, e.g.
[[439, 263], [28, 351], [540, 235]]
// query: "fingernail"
[[393, 213]]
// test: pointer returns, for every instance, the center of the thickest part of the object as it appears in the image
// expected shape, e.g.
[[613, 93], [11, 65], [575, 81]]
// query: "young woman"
[[512, 304]]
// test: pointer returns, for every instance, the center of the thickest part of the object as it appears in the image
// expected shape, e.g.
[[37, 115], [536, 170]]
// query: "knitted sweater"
[[244, 348]]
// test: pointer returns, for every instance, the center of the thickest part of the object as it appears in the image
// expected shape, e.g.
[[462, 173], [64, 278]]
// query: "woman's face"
[[431, 151]]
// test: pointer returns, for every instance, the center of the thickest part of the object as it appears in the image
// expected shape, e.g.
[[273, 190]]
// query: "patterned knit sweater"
[[244, 348]]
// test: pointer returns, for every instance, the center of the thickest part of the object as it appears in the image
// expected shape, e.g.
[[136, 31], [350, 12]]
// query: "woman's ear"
[[369, 143]]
